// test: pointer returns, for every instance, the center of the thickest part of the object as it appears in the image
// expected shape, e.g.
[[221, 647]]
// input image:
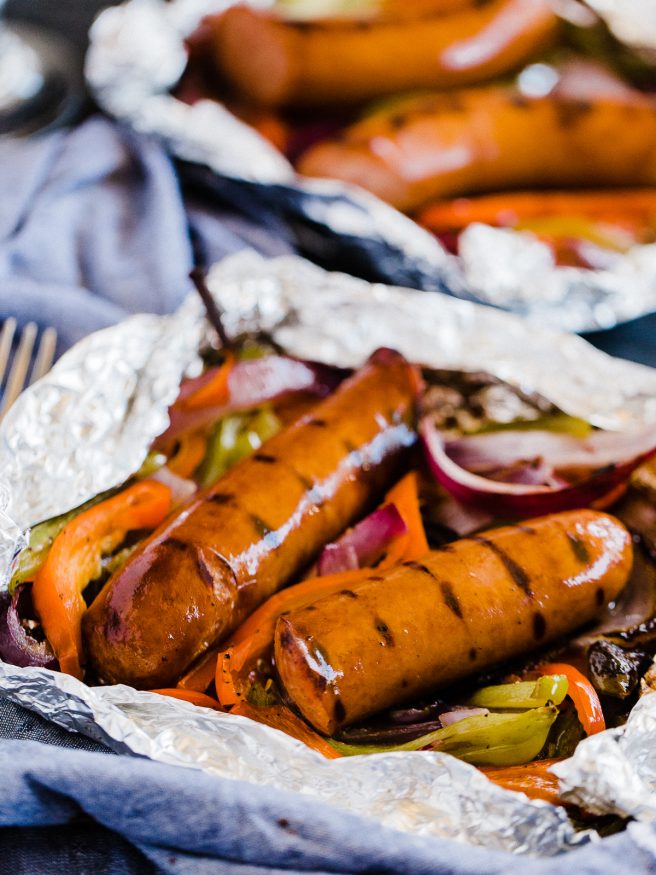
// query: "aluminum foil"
[[87, 425], [137, 56]]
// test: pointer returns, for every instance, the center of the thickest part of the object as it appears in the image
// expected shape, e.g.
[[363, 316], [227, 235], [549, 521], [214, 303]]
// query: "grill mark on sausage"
[[472, 654], [519, 576], [450, 598], [600, 596], [579, 549], [528, 530], [570, 112], [305, 482], [349, 593], [340, 711], [539, 626], [220, 497], [419, 567], [260, 526], [375, 577], [265, 458], [178, 544], [203, 569], [317, 422], [383, 629]]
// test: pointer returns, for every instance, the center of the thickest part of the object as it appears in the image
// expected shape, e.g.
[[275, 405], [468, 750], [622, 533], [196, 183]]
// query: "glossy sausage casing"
[[492, 139], [465, 607], [257, 527], [276, 62]]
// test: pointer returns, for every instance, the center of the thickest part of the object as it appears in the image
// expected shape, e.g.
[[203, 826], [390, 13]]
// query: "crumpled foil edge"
[[87, 425], [424, 793]]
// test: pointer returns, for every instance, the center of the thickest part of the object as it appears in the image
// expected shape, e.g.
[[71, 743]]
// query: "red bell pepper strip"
[[582, 693]]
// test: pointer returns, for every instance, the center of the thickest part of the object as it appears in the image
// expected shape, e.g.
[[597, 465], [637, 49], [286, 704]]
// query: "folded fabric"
[[93, 227], [185, 821]]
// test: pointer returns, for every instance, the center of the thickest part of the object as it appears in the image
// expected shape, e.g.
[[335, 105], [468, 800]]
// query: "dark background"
[[72, 18]]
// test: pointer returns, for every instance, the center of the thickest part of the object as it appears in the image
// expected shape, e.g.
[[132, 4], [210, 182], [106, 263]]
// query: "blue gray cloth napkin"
[[94, 226], [184, 821]]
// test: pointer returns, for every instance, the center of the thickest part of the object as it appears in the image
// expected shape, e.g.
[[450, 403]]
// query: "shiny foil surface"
[[87, 425], [137, 56]]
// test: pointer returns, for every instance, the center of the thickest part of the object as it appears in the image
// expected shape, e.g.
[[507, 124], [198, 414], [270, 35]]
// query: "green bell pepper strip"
[[483, 740], [549, 689], [232, 439]]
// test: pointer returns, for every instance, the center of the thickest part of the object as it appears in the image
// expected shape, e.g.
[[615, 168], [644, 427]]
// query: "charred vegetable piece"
[[488, 739], [614, 671], [17, 645]]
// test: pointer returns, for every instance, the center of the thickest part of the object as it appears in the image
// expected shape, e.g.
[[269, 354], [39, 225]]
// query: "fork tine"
[[19, 367], [6, 338], [45, 354]]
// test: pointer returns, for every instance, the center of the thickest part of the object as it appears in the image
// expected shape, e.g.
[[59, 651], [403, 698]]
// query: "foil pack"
[[137, 56], [86, 427]]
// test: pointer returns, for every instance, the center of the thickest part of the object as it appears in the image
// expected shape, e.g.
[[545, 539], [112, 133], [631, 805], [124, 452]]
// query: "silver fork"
[[40, 351]]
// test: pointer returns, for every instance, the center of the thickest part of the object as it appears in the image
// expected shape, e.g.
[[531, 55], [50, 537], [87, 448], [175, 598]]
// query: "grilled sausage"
[[257, 527], [492, 139], [277, 62], [463, 608]]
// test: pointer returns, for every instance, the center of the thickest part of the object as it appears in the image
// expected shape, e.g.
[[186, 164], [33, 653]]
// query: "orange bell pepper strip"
[[192, 696], [201, 674], [189, 454], [74, 560], [619, 206], [282, 718], [582, 693], [535, 779], [413, 544], [214, 390], [253, 640]]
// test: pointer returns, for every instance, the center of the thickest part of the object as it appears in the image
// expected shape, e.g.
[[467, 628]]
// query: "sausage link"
[[463, 608], [492, 139], [278, 62], [258, 526]]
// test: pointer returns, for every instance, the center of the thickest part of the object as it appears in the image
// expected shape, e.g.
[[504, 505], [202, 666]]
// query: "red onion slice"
[[364, 544], [16, 646], [522, 500], [448, 718], [250, 383], [181, 488], [480, 453]]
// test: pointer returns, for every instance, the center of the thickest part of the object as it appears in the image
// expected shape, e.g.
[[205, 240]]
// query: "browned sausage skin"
[[235, 544], [463, 608]]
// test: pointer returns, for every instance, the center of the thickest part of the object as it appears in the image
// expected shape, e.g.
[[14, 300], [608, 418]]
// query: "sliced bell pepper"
[[282, 718], [253, 640], [535, 780], [201, 674], [189, 454], [582, 693], [413, 545], [487, 739], [214, 388], [523, 694], [192, 696], [75, 559]]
